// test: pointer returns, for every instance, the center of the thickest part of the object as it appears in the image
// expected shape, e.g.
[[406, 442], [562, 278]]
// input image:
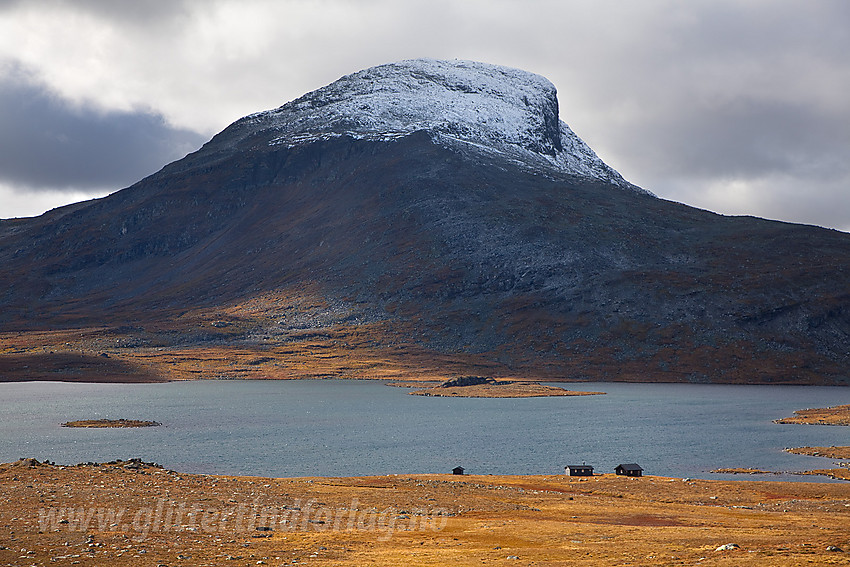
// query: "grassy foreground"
[[132, 513]]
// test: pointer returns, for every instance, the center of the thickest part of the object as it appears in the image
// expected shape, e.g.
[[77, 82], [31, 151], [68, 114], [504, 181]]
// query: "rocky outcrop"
[[467, 381]]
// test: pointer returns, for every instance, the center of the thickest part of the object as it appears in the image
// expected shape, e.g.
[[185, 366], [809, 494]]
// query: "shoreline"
[[828, 476], [401, 380], [842, 473]]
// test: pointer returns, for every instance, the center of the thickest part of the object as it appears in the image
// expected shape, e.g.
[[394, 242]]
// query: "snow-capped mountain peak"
[[488, 107]]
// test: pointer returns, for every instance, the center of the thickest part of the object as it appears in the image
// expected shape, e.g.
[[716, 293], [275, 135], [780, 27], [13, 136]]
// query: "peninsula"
[[835, 415]]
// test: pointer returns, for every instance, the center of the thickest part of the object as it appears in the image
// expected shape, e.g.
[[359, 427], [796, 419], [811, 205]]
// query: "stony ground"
[[132, 513]]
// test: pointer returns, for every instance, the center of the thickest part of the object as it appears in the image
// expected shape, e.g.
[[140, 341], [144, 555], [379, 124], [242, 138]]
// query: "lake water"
[[349, 428]]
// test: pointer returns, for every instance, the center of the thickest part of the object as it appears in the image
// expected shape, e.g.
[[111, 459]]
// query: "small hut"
[[578, 470], [457, 470], [629, 469]]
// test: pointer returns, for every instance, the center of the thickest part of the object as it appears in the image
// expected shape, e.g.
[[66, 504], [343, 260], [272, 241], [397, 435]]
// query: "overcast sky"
[[737, 106]]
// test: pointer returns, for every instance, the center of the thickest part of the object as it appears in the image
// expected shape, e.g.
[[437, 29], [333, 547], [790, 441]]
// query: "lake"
[[352, 428]]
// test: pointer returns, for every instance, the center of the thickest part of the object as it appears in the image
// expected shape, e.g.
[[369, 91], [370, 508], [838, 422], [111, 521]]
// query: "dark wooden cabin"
[[578, 470], [629, 469]]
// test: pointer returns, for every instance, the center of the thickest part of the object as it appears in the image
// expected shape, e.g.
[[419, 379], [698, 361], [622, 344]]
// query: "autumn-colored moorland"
[[131, 514], [230, 351], [242, 340]]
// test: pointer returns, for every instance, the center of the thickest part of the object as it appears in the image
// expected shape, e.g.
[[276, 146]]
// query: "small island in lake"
[[739, 470], [110, 423], [836, 415], [481, 387]]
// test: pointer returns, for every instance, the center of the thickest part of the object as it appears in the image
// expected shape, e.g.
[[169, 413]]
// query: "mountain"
[[417, 219]]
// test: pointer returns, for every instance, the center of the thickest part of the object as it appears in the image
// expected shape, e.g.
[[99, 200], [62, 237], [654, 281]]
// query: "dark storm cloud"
[[739, 107], [747, 138], [47, 143], [133, 12]]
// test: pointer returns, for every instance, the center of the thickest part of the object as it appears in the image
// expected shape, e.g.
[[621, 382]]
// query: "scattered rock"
[[25, 462], [467, 381], [728, 547], [834, 548]]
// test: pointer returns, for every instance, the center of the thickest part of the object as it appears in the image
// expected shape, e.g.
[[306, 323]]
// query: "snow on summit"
[[465, 103]]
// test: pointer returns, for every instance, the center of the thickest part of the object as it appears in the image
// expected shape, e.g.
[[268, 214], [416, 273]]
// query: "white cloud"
[[776, 197], [15, 202]]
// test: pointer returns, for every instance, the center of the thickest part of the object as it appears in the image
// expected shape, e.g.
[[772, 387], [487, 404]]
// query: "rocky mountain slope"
[[422, 214]]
